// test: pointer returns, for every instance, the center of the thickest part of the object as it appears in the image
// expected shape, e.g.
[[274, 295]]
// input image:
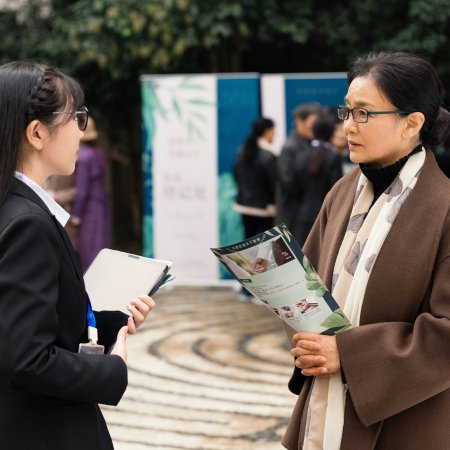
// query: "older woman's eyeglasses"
[[361, 115], [81, 116]]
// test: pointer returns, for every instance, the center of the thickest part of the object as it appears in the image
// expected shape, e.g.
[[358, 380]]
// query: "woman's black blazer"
[[255, 179], [49, 392]]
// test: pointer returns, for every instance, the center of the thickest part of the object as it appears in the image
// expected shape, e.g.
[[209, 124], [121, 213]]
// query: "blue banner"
[[326, 89], [238, 105]]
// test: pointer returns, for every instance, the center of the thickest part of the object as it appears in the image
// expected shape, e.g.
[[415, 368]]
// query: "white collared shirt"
[[62, 216], [265, 145]]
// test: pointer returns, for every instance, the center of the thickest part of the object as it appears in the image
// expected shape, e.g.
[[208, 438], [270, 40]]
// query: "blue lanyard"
[[92, 323], [90, 313]]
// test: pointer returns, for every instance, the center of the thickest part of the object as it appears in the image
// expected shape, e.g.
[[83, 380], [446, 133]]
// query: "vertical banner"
[[282, 93], [180, 172], [238, 106], [274, 106], [193, 126]]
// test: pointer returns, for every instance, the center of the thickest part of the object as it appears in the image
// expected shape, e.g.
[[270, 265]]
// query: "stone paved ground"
[[207, 372]]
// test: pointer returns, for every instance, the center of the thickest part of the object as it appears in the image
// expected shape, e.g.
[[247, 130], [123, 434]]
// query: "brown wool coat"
[[397, 363]]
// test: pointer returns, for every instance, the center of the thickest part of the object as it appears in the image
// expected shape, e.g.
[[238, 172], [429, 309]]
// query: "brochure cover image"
[[273, 268]]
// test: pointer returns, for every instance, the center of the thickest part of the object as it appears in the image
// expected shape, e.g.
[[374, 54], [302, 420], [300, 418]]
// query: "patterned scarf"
[[366, 231]]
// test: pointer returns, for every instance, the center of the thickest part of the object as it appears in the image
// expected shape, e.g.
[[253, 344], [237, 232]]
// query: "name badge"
[[91, 349]]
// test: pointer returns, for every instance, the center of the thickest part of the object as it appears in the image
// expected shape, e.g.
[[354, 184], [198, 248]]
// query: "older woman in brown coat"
[[382, 245]]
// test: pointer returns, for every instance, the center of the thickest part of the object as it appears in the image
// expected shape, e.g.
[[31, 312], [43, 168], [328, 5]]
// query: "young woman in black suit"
[[49, 391]]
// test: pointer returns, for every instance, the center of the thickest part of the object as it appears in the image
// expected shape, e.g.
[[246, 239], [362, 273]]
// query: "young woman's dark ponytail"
[[251, 148]]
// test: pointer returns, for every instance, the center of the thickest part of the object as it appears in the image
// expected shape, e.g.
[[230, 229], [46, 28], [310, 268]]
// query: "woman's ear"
[[35, 134], [413, 125]]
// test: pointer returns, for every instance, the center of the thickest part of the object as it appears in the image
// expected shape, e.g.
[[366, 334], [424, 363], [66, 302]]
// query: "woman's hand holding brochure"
[[316, 354]]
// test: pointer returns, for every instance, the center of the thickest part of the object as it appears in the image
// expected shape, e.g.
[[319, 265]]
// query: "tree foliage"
[[163, 36], [418, 26], [108, 44]]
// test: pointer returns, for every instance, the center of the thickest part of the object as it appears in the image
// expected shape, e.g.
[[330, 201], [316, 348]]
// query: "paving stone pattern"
[[207, 372]]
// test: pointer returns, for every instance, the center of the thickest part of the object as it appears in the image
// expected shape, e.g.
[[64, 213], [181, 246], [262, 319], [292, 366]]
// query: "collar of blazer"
[[21, 189]]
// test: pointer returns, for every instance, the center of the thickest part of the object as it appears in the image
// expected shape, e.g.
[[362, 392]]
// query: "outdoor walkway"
[[207, 372]]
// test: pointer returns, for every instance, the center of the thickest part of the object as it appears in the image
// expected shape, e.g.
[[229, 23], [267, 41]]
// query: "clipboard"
[[114, 278]]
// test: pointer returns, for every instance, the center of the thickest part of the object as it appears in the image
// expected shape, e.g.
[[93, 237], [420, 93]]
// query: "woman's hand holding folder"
[[120, 347], [139, 308]]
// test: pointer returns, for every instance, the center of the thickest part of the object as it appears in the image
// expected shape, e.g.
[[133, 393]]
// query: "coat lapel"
[[410, 247], [69, 249], [336, 228]]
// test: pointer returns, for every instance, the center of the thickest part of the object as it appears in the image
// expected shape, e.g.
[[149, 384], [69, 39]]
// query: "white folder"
[[114, 278]]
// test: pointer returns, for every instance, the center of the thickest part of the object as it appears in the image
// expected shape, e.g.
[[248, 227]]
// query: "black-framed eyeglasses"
[[81, 116], [361, 115]]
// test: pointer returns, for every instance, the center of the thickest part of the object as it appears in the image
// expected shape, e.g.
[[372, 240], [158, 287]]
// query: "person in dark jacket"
[[90, 213], [288, 197], [317, 169], [254, 173], [50, 381]]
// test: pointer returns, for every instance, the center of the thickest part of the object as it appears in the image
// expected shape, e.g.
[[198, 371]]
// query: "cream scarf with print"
[[367, 229]]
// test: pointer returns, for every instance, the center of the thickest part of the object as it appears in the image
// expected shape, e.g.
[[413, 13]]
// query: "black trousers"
[[255, 225]]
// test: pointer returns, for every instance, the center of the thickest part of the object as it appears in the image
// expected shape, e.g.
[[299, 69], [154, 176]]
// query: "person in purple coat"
[[90, 211]]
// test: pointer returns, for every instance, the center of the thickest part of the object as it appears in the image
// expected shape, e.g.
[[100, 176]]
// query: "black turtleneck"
[[382, 177]]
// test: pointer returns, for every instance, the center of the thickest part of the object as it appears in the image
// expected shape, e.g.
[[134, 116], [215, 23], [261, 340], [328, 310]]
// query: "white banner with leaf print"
[[181, 127], [193, 125]]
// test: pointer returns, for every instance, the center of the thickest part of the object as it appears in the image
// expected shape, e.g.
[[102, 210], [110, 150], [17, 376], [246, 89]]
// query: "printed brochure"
[[272, 267]]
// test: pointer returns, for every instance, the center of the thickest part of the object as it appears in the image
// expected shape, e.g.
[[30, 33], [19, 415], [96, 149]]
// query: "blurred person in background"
[[90, 212], [317, 169], [442, 154], [255, 175], [339, 142], [288, 197], [339, 139]]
